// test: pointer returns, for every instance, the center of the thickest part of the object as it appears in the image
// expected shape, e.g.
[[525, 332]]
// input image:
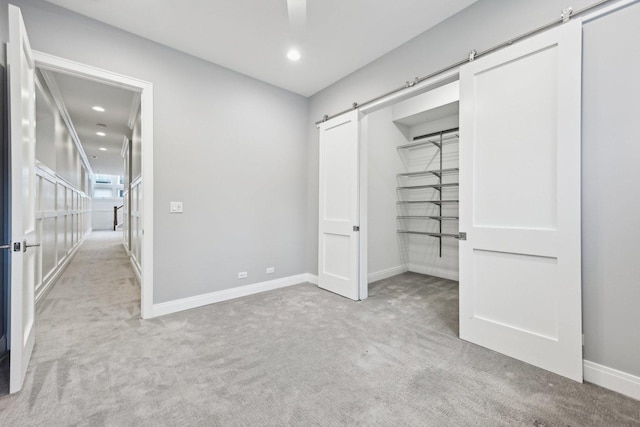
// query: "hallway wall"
[[63, 207], [231, 148]]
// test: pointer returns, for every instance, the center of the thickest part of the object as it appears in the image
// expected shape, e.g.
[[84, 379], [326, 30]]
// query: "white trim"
[[312, 278], [434, 271], [387, 272], [59, 269], [605, 11], [363, 179], [133, 113], [49, 62], [227, 294], [45, 61], [125, 145], [134, 266], [42, 169], [424, 86], [612, 379], [363, 208]]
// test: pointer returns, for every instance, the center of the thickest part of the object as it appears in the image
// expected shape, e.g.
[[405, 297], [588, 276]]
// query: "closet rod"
[[566, 14], [441, 133]]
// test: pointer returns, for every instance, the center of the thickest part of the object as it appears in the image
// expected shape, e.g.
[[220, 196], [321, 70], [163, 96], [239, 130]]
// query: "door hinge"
[[356, 228], [462, 236], [16, 247]]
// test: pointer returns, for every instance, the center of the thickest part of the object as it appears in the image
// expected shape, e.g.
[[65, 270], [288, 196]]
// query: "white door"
[[338, 248], [22, 97], [520, 201]]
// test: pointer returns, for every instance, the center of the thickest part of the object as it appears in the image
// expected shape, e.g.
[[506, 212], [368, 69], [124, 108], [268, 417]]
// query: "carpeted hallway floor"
[[295, 356]]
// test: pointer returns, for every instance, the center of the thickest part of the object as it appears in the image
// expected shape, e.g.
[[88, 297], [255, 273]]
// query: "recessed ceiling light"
[[101, 134], [98, 108], [293, 55], [102, 149]]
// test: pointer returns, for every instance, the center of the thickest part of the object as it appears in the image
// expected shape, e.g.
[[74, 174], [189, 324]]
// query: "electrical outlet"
[[271, 270], [242, 275]]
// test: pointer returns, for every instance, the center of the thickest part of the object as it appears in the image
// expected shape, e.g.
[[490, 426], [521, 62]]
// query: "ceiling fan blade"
[[297, 12]]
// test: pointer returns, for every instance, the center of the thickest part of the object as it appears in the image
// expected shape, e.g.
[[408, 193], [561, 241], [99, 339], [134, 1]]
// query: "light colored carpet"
[[295, 356]]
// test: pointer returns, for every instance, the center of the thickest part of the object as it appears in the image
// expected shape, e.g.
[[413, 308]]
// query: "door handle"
[[25, 246], [7, 246]]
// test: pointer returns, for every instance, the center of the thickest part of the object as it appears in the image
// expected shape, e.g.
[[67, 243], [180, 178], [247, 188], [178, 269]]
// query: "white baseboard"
[[612, 379], [386, 273], [136, 269], [198, 301], [434, 271], [312, 278]]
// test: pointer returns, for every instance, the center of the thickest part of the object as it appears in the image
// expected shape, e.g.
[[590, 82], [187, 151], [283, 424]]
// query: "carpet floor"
[[294, 356]]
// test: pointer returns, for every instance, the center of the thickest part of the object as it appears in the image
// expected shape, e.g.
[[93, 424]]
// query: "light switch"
[[176, 207]]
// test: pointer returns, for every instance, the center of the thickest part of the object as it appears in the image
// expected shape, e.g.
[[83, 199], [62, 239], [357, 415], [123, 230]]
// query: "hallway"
[[294, 356], [80, 323]]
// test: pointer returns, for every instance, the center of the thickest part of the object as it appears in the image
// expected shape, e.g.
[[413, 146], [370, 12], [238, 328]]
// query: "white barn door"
[[22, 97], [520, 281], [338, 243]]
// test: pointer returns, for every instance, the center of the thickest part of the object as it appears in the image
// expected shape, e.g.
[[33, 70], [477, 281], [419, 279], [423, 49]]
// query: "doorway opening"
[[122, 171], [84, 133], [412, 167]]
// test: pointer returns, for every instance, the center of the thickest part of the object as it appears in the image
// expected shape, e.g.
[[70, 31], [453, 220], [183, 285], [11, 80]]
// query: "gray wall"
[[610, 183], [231, 148], [480, 26], [611, 228]]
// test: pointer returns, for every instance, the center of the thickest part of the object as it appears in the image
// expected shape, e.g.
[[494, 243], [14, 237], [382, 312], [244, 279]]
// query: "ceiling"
[[254, 36], [79, 96]]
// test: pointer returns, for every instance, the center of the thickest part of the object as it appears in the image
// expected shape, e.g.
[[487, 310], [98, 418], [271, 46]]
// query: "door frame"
[[145, 89], [363, 179]]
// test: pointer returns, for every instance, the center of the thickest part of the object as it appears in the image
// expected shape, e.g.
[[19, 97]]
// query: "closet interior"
[[413, 175]]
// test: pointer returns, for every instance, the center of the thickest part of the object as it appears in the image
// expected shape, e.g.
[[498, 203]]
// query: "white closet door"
[[22, 98], [338, 217], [520, 201]]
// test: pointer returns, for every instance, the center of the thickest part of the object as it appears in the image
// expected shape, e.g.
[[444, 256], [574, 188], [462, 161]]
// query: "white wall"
[[385, 248], [102, 212], [104, 197], [231, 148], [62, 207]]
